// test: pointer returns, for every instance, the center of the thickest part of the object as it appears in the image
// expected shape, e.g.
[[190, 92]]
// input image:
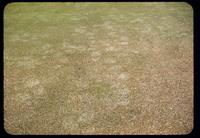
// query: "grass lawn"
[[98, 68]]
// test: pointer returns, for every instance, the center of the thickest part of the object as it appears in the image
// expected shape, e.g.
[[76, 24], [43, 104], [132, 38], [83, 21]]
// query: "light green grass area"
[[98, 68]]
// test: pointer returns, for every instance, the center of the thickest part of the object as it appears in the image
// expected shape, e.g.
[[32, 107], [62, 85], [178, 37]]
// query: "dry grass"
[[98, 68]]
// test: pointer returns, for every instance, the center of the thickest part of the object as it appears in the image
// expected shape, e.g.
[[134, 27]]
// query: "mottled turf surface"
[[98, 68]]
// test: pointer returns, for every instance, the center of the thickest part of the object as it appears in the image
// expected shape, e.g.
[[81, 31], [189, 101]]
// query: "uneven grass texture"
[[98, 68]]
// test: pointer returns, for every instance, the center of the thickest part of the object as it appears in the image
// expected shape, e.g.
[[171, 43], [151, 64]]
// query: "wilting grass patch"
[[91, 68]]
